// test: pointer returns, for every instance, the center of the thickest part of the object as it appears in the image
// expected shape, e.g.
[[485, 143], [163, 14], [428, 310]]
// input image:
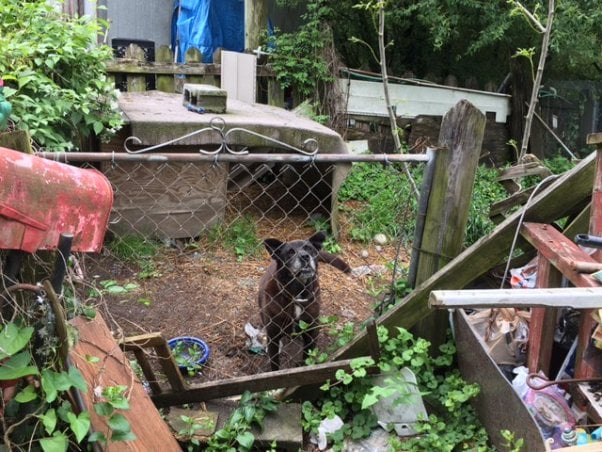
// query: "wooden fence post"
[[135, 82], [456, 161], [165, 82]]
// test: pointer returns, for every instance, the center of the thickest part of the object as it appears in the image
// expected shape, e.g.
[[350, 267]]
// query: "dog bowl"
[[189, 352]]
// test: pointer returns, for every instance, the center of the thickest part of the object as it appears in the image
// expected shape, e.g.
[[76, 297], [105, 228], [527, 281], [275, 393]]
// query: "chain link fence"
[[184, 254]]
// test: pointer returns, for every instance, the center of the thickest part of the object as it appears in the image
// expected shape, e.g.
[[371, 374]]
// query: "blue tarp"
[[208, 25]]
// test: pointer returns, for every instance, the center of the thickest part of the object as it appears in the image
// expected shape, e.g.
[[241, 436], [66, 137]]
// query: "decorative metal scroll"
[[218, 125]]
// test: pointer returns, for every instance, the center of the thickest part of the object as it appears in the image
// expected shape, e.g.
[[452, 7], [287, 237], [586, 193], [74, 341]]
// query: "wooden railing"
[[134, 74]]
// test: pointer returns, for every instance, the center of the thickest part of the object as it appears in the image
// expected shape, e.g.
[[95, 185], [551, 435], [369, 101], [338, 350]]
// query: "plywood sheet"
[[113, 369]]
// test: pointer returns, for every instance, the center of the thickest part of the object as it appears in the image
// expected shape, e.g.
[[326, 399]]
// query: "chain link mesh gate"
[[184, 252]]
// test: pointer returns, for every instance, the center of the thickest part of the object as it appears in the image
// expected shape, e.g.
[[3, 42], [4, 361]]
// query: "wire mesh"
[[184, 255]]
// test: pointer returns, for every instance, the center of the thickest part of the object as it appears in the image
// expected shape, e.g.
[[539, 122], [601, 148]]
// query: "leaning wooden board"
[[112, 369]]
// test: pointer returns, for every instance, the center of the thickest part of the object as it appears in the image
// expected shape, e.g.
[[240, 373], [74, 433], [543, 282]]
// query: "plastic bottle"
[[568, 437]]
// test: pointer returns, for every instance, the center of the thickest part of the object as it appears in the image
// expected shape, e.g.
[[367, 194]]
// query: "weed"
[[188, 355], [352, 393], [236, 435], [240, 236], [133, 248], [382, 194]]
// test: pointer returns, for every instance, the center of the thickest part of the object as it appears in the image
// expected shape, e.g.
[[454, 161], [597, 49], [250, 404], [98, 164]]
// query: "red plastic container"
[[41, 199]]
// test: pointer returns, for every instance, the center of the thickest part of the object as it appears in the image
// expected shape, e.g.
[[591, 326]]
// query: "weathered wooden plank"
[[129, 66], [178, 200], [524, 169], [572, 188], [543, 321], [165, 82], [569, 297], [561, 251], [285, 378], [456, 161], [114, 369], [516, 199]]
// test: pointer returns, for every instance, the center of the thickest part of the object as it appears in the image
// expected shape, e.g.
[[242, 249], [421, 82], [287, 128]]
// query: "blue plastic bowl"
[[190, 341]]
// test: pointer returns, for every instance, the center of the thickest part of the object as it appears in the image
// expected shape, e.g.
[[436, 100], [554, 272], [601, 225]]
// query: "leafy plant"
[[512, 443], [36, 404], [138, 250], [381, 195], [55, 74], [114, 400], [191, 427], [188, 355], [236, 434], [298, 59], [352, 394], [240, 236]]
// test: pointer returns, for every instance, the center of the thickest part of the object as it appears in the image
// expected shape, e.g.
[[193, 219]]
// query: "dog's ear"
[[317, 240], [273, 246]]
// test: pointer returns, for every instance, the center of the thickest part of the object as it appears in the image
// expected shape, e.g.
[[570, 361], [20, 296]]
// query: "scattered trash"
[[364, 270], [524, 277], [402, 409], [327, 426], [256, 339], [378, 441], [548, 406]]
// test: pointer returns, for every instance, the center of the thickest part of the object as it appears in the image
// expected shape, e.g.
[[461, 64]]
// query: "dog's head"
[[298, 257]]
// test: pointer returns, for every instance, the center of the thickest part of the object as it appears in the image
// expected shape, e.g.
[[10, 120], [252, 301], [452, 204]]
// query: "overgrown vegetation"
[[55, 75], [451, 424], [240, 237], [386, 204], [37, 403]]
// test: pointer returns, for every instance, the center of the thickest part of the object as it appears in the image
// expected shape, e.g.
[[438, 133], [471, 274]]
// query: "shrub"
[[55, 75]]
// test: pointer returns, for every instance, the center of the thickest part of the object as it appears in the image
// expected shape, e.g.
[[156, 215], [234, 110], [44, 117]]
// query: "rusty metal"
[[547, 382], [41, 199], [498, 406]]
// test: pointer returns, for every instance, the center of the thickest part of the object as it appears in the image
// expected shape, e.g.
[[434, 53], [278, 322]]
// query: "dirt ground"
[[211, 295]]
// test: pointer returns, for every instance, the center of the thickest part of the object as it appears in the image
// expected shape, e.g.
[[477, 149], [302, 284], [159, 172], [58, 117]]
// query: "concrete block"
[[204, 98]]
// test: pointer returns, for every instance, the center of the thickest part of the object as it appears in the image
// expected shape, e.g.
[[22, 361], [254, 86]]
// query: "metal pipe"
[[226, 157], [425, 192]]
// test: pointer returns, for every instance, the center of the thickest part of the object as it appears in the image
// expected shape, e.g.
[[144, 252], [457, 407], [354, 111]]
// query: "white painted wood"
[[364, 98], [238, 76], [573, 297]]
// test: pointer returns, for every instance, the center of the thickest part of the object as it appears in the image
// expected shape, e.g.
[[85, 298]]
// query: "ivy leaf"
[[103, 409], [123, 436], [17, 366], [57, 443], [27, 394], [80, 425], [76, 379], [49, 420], [13, 339], [119, 423], [246, 440], [97, 437]]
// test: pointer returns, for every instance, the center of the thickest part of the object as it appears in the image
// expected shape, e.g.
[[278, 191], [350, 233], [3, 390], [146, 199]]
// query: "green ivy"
[[55, 75], [452, 424]]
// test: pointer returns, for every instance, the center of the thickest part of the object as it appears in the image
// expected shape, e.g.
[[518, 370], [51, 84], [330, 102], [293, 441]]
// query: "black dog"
[[289, 291]]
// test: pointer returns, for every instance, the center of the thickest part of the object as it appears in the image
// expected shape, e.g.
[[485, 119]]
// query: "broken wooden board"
[[567, 195], [112, 369]]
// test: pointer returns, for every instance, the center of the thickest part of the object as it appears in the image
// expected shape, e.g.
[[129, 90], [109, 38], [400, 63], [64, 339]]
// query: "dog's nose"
[[304, 257]]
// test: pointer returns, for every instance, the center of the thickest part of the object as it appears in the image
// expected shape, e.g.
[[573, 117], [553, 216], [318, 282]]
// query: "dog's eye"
[[290, 252]]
